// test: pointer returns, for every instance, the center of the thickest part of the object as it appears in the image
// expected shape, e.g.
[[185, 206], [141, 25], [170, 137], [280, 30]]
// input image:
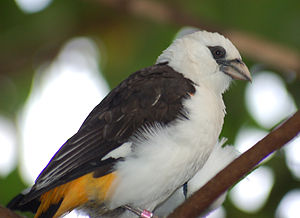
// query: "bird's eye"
[[218, 52]]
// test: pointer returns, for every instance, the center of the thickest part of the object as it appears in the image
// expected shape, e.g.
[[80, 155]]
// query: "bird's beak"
[[236, 69]]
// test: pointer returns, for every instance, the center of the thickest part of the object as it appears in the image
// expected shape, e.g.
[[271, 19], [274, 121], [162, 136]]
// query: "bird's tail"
[[66, 197], [15, 204], [32, 206]]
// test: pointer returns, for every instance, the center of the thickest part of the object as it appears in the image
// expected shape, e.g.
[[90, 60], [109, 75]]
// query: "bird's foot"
[[140, 213]]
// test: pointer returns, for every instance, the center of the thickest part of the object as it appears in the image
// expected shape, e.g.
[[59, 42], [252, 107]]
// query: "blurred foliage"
[[128, 43]]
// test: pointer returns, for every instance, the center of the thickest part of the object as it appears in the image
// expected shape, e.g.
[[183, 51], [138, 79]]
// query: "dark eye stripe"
[[218, 52]]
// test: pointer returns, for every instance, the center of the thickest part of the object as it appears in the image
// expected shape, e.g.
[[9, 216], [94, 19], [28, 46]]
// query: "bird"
[[149, 136]]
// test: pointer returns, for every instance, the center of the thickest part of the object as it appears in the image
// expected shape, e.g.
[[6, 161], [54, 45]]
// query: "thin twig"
[[200, 201]]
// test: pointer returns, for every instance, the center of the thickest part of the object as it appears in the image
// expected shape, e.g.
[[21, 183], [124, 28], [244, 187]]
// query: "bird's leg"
[[140, 213]]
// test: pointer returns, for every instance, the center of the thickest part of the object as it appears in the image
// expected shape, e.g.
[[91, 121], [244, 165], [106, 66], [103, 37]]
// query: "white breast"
[[170, 156]]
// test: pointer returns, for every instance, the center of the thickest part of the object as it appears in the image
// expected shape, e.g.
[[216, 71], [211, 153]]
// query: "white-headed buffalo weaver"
[[146, 138]]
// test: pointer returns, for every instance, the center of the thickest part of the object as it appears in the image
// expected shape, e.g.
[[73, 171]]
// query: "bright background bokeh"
[[61, 97], [58, 59]]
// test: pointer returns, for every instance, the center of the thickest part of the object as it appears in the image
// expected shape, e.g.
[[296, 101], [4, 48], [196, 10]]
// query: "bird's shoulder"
[[152, 89]]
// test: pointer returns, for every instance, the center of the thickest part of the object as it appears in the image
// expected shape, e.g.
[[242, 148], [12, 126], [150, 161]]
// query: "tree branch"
[[200, 201], [7, 213], [258, 49], [18, 57]]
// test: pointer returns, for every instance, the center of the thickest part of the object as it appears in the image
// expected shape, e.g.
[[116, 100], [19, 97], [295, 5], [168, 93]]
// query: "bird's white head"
[[208, 59]]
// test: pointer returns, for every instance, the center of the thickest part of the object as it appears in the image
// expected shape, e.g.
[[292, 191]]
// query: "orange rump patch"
[[76, 193]]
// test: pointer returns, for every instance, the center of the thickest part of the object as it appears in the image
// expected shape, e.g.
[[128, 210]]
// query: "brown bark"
[[7, 213]]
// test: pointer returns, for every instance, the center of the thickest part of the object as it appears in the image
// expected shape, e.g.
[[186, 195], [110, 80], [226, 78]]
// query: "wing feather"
[[149, 96]]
